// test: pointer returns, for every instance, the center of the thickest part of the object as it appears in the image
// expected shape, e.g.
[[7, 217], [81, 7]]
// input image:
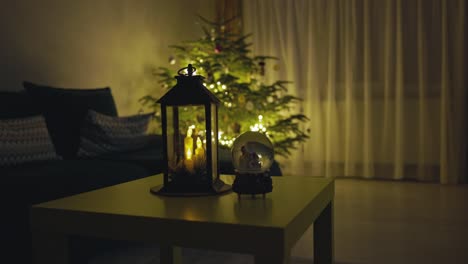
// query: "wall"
[[94, 43]]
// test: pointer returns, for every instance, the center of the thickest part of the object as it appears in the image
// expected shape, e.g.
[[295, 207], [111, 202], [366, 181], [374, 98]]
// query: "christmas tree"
[[236, 78]]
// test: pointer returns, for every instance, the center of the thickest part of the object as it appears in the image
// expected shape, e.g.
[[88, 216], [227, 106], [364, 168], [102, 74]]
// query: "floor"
[[376, 222], [397, 222]]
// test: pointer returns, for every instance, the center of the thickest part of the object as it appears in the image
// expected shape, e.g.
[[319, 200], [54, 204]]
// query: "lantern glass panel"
[[171, 136], [189, 164], [214, 140]]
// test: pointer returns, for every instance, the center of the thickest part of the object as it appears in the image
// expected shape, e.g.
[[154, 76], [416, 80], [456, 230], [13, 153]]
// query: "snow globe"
[[252, 156]]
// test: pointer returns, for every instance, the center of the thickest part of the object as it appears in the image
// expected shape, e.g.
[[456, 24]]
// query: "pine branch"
[[232, 74]]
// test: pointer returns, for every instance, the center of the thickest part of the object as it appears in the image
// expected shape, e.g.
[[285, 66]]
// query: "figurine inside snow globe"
[[252, 157]]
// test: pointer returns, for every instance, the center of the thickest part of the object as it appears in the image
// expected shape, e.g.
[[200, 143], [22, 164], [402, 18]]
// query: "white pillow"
[[103, 134], [25, 140]]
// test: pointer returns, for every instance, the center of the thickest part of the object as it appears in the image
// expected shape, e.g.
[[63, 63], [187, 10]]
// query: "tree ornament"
[[172, 60], [218, 48], [262, 68], [209, 77], [236, 128], [213, 34], [200, 118], [249, 106], [241, 99]]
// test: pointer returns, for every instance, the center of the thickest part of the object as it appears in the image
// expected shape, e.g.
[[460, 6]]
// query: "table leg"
[[49, 248], [170, 254], [323, 236]]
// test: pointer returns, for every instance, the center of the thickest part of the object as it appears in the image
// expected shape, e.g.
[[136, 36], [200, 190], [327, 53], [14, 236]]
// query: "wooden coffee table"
[[267, 228]]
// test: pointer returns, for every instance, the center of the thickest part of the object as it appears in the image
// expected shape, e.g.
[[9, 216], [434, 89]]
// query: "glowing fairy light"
[[258, 126], [225, 140]]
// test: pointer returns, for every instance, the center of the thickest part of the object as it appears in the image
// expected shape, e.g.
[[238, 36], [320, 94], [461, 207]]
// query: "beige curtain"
[[382, 81]]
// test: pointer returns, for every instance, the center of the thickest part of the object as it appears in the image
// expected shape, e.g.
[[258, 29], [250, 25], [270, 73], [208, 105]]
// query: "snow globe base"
[[252, 183]]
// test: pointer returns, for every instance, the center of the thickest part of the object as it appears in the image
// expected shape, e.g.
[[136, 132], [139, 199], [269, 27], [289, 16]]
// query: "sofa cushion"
[[150, 157], [102, 134], [25, 140], [17, 104], [65, 109]]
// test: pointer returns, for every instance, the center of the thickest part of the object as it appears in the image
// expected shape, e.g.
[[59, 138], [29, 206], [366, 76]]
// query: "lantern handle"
[[190, 70]]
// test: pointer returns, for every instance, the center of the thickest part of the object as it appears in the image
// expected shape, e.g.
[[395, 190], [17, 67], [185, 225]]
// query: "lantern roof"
[[189, 90]]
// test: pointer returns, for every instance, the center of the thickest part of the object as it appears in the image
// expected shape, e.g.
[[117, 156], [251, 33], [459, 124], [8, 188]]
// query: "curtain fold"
[[382, 82]]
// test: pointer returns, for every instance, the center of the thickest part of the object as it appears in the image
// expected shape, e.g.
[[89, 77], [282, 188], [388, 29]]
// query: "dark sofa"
[[35, 182]]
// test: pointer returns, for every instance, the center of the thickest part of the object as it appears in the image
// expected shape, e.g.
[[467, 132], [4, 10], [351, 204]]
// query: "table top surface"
[[290, 197]]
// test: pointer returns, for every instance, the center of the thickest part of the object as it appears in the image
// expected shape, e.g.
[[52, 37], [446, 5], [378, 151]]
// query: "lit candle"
[[199, 151], [189, 154], [188, 144], [188, 161]]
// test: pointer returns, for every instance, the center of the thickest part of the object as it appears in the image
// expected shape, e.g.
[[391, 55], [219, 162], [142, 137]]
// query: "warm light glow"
[[188, 162], [188, 144], [199, 151], [189, 154], [258, 126], [224, 140]]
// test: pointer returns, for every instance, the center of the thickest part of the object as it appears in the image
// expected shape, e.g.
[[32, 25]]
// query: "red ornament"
[[218, 48]]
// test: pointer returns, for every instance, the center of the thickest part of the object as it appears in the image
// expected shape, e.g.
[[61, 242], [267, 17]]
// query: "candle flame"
[[189, 154]]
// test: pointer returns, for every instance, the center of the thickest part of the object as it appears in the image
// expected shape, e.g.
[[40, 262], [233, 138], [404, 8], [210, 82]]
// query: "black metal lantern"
[[189, 114]]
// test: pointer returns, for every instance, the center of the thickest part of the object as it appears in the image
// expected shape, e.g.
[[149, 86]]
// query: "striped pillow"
[[25, 140], [102, 134]]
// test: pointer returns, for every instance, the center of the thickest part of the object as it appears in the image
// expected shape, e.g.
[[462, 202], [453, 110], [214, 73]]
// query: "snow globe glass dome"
[[252, 156], [252, 152]]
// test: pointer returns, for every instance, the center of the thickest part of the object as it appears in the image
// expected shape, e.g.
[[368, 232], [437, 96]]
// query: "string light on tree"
[[258, 127], [237, 78]]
